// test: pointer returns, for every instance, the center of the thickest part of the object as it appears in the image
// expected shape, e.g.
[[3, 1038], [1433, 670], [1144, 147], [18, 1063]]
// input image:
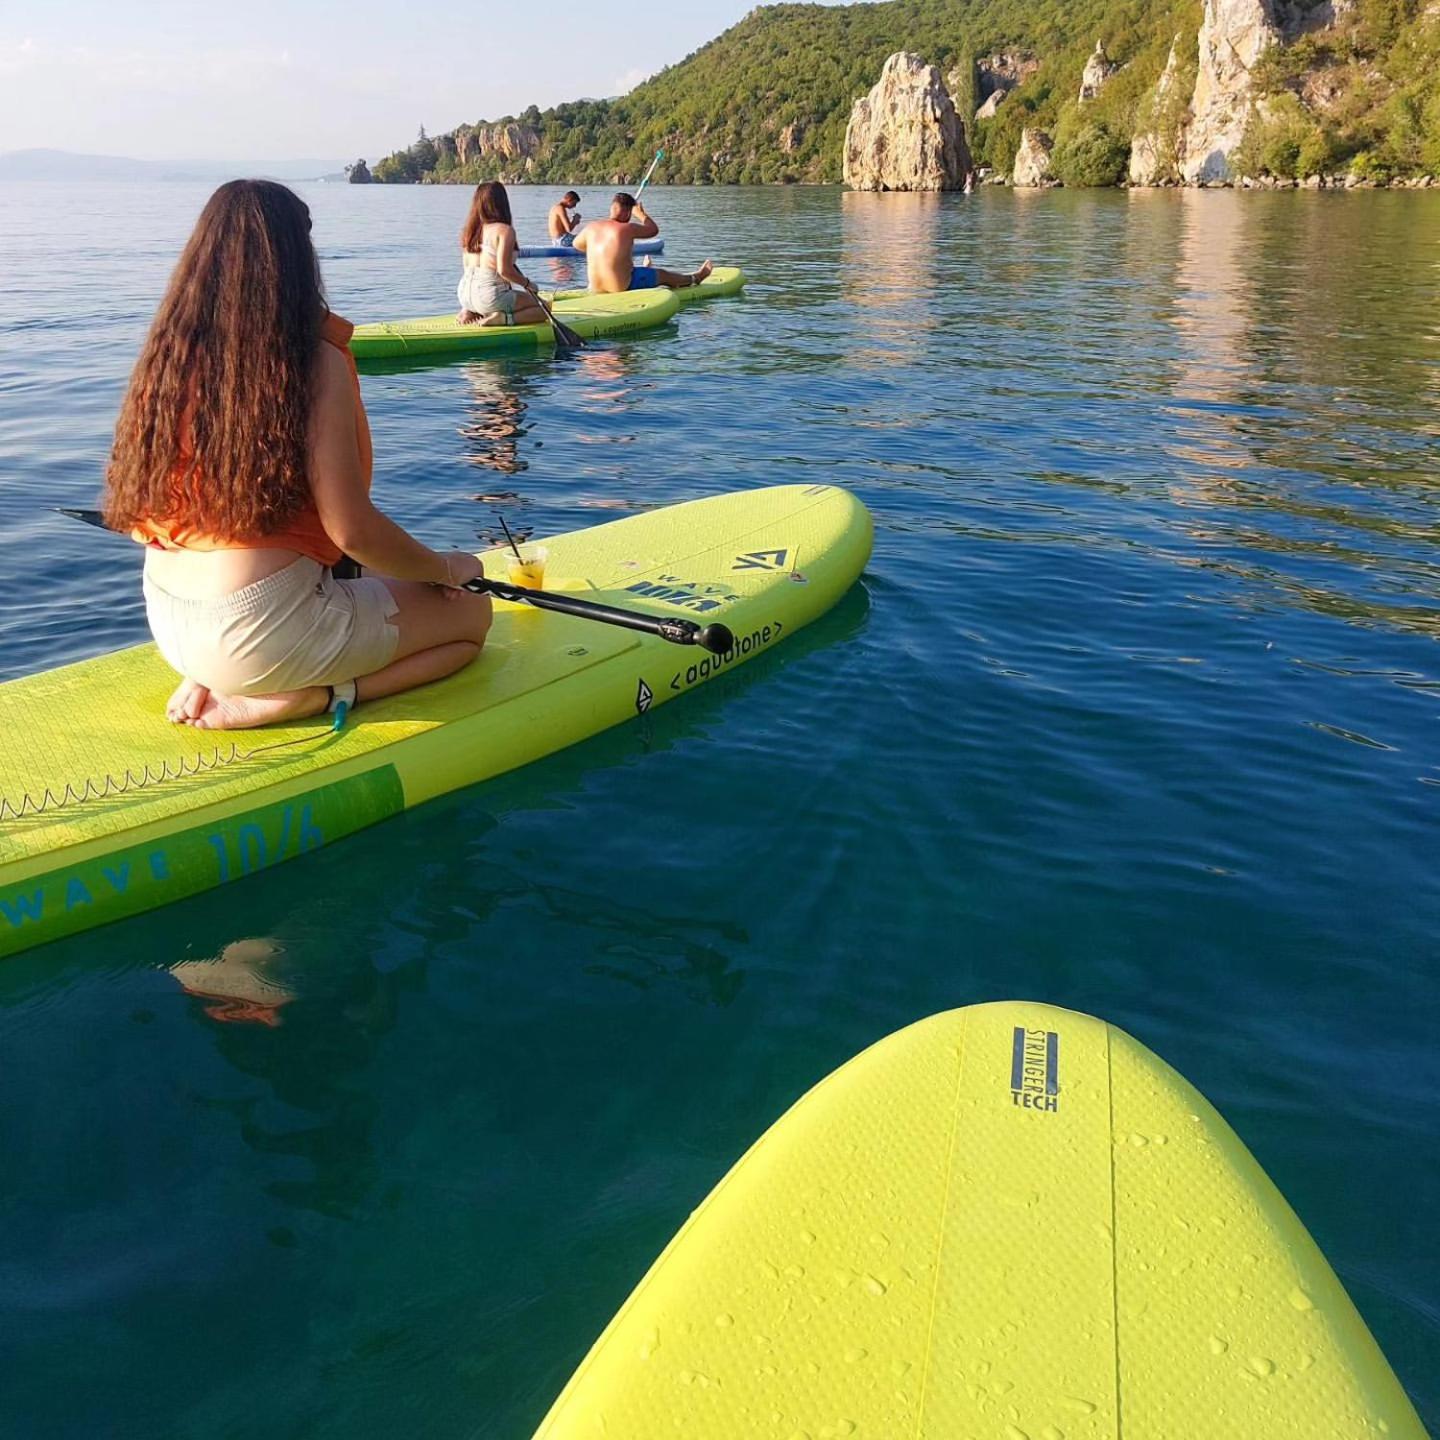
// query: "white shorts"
[[482, 292], [297, 627]]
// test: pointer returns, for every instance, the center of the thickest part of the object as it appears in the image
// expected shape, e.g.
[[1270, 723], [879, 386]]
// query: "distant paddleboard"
[[1008, 1222], [556, 252]]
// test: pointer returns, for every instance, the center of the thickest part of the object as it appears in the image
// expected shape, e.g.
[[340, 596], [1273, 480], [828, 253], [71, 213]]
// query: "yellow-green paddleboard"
[[106, 809], [1008, 1222], [589, 316]]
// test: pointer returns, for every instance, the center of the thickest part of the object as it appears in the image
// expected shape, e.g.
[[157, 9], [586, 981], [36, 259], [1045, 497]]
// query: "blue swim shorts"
[[642, 277]]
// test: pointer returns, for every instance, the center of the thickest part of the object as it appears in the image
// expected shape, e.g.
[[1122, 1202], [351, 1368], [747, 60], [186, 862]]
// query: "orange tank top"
[[303, 533]]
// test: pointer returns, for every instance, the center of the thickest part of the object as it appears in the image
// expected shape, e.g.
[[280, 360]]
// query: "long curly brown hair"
[[214, 432]]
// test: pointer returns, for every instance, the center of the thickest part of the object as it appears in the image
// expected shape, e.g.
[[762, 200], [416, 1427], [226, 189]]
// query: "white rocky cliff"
[[905, 134], [1032, 160], [1098, 69], [995, 77], [1233, 36], [1154, 151]]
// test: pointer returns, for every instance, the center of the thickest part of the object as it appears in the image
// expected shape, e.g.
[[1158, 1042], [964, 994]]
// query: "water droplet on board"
[[1306, 1361], [1014, 1432], [1300, 1300], [1081, 1407], [899, 1368], [1139, 1141], [874, 1285], [855, 1355], [1052, 1432], [650, 1344], [724, 1321], [1002, 1387], [1218, 1346], [807, 1237], [1262, 1366]]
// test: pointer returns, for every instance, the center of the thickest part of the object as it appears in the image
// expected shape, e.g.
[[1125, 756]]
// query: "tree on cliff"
[[358, 173], [423, 153]]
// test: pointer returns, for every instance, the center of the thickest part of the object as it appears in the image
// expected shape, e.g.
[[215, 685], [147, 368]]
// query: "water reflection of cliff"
[[1280, 446], [1212, 311], [889, 246]]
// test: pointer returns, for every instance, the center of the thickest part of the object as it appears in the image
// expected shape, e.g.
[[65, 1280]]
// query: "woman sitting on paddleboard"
[[492, 291], [242, 460]]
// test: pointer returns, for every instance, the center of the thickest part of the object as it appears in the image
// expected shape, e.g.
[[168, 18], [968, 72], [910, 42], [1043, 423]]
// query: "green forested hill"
[[768, 100]]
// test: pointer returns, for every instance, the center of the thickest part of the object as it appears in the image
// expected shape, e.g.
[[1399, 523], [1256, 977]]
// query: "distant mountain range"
[[67, 165]]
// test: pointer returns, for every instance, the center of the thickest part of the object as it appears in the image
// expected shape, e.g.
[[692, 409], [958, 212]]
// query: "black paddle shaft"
[[715, 638]]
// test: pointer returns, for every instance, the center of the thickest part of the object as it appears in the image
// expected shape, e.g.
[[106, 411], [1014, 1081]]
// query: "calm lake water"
[[1136, 712]]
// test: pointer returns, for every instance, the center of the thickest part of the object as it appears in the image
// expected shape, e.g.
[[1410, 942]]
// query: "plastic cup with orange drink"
[[527, 569]]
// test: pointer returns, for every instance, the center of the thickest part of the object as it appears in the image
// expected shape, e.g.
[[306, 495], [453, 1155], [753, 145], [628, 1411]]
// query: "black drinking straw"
[[509, 537]]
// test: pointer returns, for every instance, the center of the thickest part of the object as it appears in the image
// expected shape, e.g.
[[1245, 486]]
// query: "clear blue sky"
[[283, 79]]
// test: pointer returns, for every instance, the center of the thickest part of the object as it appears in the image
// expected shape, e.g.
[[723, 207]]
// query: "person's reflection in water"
[[240, 983], [607, 388], [609, 368], [496, 424], [306, 1034]]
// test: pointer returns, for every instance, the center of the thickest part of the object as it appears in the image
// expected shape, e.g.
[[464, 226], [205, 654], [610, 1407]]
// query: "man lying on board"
[[609, 247], [564, 217]]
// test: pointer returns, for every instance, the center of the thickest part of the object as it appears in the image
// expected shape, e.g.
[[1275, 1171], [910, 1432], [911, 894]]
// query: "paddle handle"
[[716, 638]]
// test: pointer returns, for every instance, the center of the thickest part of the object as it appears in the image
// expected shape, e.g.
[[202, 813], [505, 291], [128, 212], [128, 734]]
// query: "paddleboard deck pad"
[[1008, 1222], [107, 810]]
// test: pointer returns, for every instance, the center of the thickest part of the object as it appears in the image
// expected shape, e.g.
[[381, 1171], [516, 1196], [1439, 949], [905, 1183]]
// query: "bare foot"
[[468, 317], [245, 712], [703, 273], [187, 702]]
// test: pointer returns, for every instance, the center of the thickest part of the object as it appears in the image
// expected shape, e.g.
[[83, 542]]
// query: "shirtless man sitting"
[[609, 247], [562, 220]]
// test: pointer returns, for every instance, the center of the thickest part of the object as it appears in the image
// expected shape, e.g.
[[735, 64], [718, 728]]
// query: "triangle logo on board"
[[761, 560], [643, 696]]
